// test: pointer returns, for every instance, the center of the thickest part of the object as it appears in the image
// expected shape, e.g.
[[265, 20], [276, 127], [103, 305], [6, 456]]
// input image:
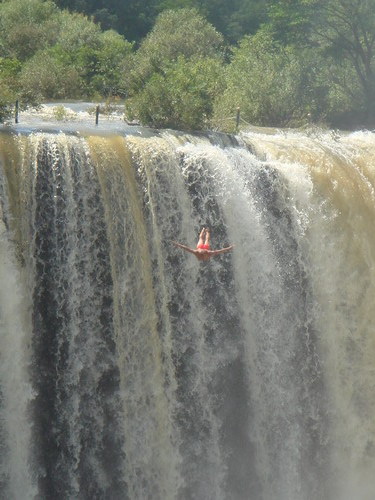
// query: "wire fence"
[[237, 118]]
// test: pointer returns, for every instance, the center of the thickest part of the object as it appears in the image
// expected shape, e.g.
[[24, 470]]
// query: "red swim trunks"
[[204, 247]]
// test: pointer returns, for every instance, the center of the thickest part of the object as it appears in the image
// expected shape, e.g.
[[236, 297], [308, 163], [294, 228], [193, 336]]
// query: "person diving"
[[203, 250]]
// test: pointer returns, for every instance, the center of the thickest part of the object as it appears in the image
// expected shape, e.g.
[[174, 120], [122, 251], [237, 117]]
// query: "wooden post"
[[97, 114], [237, 119], [16, 111]]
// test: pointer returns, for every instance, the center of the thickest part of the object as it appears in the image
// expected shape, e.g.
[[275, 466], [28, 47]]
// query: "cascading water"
[[129, 370]]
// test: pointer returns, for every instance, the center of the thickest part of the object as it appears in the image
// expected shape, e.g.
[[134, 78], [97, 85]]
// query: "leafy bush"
[[182, 97], [346, 102], [63, 55], [273, 85], [183, 32], [110, 60], [9, 70], [7, 100], [43, 76], [176, 72], [27, 26]]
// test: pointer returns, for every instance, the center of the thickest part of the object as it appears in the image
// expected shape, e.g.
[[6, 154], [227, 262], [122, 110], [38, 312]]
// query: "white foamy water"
[[132, 371]]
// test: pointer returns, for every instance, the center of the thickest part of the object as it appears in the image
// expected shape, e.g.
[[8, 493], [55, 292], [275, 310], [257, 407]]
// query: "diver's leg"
[[207, 242], [201, 237]]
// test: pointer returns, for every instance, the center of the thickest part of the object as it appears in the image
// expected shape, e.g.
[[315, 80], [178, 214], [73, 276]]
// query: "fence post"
[[97, 114], [237, 119], [16, 108]]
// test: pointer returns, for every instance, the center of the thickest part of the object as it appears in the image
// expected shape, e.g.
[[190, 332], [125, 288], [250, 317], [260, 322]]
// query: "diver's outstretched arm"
[[184, 247], [222, 250]]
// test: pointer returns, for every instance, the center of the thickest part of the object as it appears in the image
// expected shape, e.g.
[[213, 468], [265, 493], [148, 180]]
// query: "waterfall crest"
[[129, 370]]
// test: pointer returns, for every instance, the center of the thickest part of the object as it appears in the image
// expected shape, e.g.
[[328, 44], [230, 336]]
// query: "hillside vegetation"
[[190, 64]]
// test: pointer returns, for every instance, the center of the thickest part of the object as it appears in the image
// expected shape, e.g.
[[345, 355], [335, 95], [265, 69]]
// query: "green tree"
[[99, 58], [167, 63], [75, 31], [6, 102], [195, 37], [182, 32], [8, 69], [273, 85], [233, 19], [112, 60], [45, 77], [182, 96], [347, 33], [179, 4], [60, 54], [135, 18], [27, 26], [10, 90], [344, 32], [131, 18], [82, 70], [291, 22], [246, 19]]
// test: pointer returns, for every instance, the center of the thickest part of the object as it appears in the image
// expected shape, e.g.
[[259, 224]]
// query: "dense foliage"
[[275, 85], [176, 74], [190, 64], [135, 18]]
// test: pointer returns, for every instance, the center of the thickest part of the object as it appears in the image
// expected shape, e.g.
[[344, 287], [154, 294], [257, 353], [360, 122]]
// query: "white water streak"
[[16, 392], [310, 420]]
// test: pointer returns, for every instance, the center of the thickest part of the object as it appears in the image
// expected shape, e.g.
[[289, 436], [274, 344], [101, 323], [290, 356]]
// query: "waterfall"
[[129, 370]]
